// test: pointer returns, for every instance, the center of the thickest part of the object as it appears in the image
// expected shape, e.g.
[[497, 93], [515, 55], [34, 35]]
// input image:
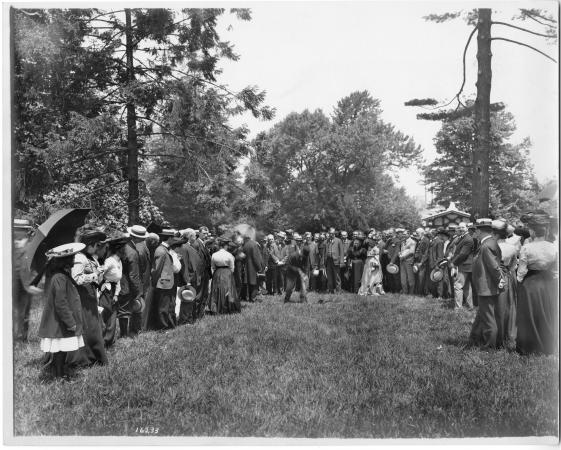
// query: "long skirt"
[[505, 314], [94, 348], [370, 278], [108, 315], [223, 293], [537, 315], [357, 267]]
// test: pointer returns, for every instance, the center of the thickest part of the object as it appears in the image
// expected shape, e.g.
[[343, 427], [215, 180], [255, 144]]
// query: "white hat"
[[138, 231], [62, 251]]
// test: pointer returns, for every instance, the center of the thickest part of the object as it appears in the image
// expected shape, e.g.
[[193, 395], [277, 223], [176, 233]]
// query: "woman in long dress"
[[61, 325], [505, 312], [87, 273], [223, 293], [356, 256], [537, 314], [371, 283]]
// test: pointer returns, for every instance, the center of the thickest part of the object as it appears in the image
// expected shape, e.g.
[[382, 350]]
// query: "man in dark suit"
[[393, 248], [489, 280], [164, 288], [346, 283], [273, 257], [421, 261], [131, 291], [461, 263], [138, 235], [206, 274], [334, 261], [253, 266], [436, 254], [191, 274]]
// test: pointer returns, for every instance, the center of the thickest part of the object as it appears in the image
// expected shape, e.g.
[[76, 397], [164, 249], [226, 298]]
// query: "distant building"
[[445, 217]]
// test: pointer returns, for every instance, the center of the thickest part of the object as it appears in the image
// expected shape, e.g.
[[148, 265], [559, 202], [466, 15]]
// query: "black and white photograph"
[[280, 223]]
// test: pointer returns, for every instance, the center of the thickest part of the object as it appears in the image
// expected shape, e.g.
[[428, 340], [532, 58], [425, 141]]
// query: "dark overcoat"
[[253, 261], [63, 309], [487, 270]]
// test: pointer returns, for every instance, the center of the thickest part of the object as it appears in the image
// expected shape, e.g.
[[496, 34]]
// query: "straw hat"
[[436, 274], [62, 251], [392, 268], [188, 294], [138, 231]]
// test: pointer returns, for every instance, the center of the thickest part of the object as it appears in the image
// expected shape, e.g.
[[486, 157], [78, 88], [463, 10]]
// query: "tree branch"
[[457, 96], [520, 28], [524, 45]]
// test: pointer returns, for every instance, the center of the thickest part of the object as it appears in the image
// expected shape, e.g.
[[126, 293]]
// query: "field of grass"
[[388, 367]]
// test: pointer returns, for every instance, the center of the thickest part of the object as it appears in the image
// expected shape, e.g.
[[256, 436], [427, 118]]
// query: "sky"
[[308, 55]]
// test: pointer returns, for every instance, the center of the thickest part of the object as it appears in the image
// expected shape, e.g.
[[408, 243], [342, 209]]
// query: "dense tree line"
[[311, 170]]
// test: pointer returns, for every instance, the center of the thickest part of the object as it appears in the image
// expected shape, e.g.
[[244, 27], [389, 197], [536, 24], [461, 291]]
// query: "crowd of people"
[[142, 280]]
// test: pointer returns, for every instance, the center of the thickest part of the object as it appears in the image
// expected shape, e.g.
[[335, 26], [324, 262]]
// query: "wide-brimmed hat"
[[138, 231], [282, 234], [441, 230], [297, 237], [138, 305], [437, 274], [392, 268], [188, 294], [117, 239], [536, 218], [91, 236], [62, 251]]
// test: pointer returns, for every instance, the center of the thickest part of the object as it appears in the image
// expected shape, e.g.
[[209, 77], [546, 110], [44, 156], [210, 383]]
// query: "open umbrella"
[[60, 228], [245, 230]]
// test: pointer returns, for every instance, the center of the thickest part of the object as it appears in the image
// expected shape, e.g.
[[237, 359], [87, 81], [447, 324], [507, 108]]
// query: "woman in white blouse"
[[537, 312], [223, 292]]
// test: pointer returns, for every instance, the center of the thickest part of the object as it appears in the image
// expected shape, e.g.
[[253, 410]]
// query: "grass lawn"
[[382, 367]]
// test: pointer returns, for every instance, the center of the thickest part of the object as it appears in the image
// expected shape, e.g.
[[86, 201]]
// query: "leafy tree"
[[482, 23], [513, 187], [325, 172], [137, 70]]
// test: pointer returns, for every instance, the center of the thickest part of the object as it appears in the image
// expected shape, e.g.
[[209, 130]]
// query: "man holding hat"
[[163, 290], [421, 261], [489, 280], [192, 271], [406, 259], [436, 254], [346, 282], [138, 235], [335, 259], [461, 261], [21, 276]]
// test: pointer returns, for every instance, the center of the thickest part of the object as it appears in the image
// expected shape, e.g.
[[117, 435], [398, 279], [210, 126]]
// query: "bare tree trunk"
[[132, 144], [480, 180]]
